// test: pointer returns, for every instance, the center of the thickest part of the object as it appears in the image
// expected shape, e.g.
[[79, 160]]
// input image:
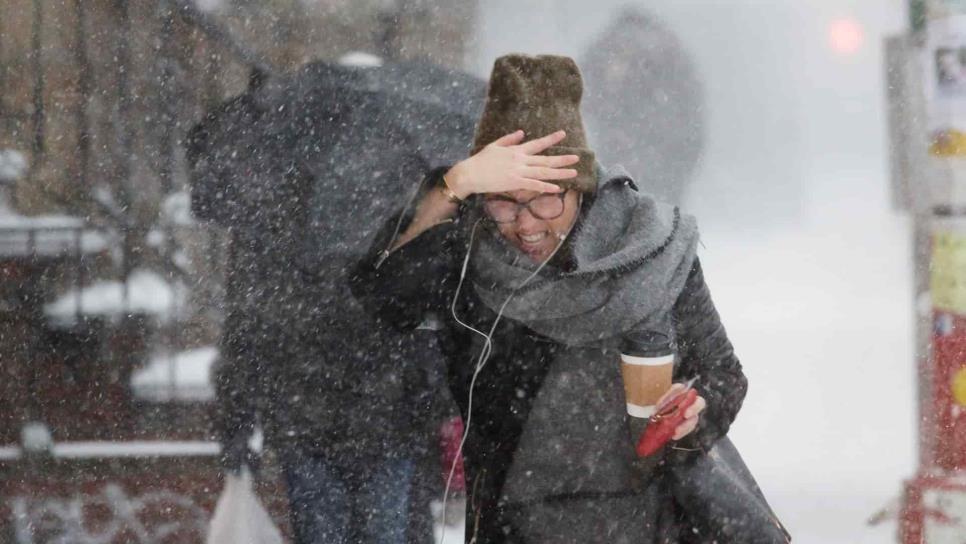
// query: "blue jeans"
[[348, 502]]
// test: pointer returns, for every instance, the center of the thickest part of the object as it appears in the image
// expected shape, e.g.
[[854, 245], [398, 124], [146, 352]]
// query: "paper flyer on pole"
[[945, 85]]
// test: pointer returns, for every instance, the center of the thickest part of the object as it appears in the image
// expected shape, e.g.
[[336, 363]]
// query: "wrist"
[[454, 180]]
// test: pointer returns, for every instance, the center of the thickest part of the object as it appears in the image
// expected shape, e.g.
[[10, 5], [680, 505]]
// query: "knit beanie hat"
[[539, 95]]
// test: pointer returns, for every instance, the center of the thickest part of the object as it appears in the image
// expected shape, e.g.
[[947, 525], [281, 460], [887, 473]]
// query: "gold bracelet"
[[449, 194]]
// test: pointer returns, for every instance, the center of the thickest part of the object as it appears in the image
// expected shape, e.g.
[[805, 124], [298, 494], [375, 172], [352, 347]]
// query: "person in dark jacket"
[[537, 260], [346, 403]]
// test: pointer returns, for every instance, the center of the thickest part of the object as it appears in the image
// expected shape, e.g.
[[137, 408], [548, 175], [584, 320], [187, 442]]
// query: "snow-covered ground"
[[821, 317]]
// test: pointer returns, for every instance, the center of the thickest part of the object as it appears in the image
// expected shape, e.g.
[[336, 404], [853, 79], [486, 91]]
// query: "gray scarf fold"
[[632, 254]]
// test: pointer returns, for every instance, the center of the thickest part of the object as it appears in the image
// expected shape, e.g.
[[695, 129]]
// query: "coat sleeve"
[[236, 391], [235, 385], [704, 349], [413, 282], [235, 375]]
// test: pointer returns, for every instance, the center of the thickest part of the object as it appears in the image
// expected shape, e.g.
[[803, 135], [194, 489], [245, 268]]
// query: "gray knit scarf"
[[632, 255]]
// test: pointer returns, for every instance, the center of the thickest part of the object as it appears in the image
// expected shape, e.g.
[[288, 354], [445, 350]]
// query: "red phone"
[[661, 426]]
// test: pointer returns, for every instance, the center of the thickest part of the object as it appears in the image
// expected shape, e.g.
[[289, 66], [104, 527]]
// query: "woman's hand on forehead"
[[510, 164]]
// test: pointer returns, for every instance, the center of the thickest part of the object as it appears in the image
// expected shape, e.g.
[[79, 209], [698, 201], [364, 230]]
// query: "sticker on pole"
[[945, 66], [947, 278], [959, 387]]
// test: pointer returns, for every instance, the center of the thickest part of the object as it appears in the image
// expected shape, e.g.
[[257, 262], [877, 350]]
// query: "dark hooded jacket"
[[299, 353], [549, 457]]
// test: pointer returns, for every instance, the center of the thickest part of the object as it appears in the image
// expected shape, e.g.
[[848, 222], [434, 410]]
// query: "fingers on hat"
[[538, 172], [512, 138], [540, 186], [552, 161], [540, 144]]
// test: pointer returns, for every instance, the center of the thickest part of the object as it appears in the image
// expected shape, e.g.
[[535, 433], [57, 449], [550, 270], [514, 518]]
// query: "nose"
[[526, 221]]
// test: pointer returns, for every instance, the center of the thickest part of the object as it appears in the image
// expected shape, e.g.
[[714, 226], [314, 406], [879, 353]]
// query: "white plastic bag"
[[239, 517]]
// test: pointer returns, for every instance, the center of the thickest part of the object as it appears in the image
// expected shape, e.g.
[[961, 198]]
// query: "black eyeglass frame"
[[521, 205]]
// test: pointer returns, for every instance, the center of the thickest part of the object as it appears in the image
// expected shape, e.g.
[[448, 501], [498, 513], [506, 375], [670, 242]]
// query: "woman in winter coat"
[[536, 262]]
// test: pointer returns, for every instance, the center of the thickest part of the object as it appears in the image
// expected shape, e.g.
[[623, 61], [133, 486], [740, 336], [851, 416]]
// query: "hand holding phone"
[[671, 413]]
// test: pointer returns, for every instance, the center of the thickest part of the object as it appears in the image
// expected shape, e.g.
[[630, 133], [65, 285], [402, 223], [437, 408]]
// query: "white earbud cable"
[[487, 347]]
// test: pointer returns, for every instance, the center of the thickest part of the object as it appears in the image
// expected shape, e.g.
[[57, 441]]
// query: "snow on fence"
[[152, 517], [128, 449], [47, 235], [183, 376], [144, 293]]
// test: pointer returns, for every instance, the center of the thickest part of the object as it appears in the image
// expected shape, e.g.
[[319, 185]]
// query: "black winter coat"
[[420, 278], [298, 353]]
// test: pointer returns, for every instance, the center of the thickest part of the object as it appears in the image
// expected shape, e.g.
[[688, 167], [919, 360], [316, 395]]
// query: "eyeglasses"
[[502, 209]]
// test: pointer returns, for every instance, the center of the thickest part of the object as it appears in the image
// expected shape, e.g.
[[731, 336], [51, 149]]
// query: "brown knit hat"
[[540, 95]]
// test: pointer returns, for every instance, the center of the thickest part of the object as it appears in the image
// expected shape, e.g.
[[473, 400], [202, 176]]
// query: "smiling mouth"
[[532, 239]]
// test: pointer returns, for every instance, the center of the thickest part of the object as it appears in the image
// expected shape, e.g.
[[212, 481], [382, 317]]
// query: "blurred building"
[[110, 293]]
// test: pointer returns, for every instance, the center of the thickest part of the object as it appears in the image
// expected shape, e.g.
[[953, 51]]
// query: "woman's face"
[[536, 237]]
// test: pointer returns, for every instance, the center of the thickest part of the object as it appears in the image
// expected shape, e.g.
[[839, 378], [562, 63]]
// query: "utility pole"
[[926, 77]]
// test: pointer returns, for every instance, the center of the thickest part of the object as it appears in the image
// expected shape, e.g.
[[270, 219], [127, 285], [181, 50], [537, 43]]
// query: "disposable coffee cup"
[[647, 365]]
